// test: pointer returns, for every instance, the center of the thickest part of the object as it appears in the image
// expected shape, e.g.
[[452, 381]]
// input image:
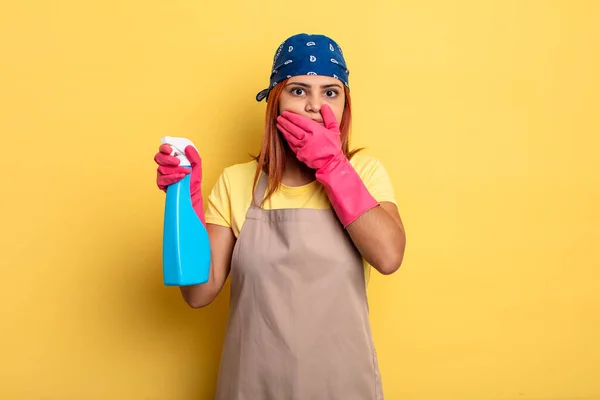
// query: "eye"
[[331, 93], [297, 91]]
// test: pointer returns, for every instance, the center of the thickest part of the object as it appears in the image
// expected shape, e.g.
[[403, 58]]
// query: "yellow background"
[[486, 114]]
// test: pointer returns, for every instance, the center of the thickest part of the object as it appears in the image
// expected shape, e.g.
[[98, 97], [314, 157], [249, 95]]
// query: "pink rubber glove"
[[169, 172], [320, 148]]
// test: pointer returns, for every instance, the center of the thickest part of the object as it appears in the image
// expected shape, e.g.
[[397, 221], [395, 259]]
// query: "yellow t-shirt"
[[231, 195]]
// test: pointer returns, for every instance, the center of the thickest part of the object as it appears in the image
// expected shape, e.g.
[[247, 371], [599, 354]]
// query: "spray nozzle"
[[178, 144]]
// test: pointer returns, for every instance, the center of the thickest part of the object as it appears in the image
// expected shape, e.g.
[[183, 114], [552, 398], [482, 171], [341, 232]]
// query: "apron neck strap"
[[261, 189]]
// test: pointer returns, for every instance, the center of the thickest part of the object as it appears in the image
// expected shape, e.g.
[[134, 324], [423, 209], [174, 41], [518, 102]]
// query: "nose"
[[313, 103]]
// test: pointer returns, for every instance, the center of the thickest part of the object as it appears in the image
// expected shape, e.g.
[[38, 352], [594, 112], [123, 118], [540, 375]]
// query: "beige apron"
[[298, 325]]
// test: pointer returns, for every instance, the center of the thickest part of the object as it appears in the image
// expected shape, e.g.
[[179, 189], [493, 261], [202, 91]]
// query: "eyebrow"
[[306, 85]]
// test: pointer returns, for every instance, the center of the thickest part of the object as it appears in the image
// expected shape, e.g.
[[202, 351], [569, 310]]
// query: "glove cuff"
[[346, 191]]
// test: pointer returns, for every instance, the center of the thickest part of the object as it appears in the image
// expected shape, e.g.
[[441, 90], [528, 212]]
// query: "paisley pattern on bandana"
[[307, 54]]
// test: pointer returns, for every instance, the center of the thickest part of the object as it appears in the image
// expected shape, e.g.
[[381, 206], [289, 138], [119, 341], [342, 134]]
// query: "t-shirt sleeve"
[[218, 207], [377, 181]]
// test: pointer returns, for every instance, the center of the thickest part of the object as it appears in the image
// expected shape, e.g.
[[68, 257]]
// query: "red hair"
[[272, 157]]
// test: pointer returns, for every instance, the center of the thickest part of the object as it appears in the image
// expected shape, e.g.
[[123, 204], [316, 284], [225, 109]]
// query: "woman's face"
[[306, 94]]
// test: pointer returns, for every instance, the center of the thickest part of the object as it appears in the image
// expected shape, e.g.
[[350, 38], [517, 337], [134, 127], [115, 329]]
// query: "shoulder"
[[237, 174], [366, 164], [235, 180], [375, 177], [245, 168], [231, 195]]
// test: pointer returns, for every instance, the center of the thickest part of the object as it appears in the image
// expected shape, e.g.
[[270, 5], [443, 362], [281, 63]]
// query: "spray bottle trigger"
[[178, 144]]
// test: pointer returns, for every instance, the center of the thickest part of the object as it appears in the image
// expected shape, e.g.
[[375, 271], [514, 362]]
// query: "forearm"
[[376, 229], [379, 236], [222, 242], [201, 295]]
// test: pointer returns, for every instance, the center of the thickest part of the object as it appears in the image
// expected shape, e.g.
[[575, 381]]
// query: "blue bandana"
[[306, 54]]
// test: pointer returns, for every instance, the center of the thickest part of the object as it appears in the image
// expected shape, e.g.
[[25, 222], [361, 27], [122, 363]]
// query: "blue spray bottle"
[[186, 246]]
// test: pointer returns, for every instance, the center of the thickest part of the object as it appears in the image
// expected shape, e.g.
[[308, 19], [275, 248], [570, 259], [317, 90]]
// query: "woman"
[[297, 229]]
